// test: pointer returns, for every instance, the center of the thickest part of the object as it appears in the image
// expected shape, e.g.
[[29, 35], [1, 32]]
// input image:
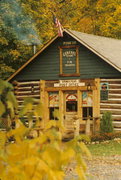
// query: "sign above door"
[[67, 83]]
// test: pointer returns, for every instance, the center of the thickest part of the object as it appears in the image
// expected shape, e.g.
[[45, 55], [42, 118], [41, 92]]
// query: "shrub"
[[43, 157], [106, 125], [105, 136]]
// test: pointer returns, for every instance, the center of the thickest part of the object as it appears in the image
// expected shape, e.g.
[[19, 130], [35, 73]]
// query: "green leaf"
[[11, 97], [2, 108]]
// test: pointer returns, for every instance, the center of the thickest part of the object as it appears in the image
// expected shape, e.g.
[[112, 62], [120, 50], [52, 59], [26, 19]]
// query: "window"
[[71, 102], [69, 61], [87, 105], [53, 104], [71, 106], [51, 113], [87, 112]]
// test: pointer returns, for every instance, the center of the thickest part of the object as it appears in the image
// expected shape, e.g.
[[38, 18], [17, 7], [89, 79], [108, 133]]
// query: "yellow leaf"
[[51, 124], [2, 108], [2, 166], [19, 132], [55, 175], [80, 161], [2, 138], [67, 155], [85, 149]]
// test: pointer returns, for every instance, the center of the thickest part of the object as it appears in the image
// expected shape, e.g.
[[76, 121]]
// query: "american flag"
[[59, 26]]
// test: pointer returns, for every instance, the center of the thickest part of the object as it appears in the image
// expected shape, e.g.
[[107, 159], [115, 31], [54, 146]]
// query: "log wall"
[[26, 89], [113, 104]]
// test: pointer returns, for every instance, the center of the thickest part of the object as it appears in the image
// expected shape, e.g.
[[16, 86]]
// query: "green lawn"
[[109, 149]]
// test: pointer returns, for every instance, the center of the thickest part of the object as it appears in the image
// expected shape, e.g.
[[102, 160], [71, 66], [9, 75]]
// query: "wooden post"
[[61, 106], [87, 130], [44, 101], [79, 110], [77, 126], [77, 60], [96, 106]]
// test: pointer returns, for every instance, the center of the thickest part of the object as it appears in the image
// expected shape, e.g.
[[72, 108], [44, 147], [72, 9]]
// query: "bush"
[[106, 125], [43, 157], [105, 136]]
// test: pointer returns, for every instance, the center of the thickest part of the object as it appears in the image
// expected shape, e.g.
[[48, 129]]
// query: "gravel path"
[[100, 168], [104, 168]]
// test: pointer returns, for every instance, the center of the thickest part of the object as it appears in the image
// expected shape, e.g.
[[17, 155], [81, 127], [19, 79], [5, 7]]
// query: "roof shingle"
[[107, 48]]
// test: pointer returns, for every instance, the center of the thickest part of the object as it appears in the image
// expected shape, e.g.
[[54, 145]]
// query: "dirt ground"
[[100, 168], [104, 168]]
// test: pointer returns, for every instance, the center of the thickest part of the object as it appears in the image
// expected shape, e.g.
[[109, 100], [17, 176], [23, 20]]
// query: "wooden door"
[[70, 109]]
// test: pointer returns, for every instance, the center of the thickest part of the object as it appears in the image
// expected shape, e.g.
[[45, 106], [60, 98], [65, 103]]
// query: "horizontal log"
[[28, 88], [110, 109], [27, 93], [111, 102], [114, 91], [110, 80], [115, 86], [27, 82], [117, 124], [116, 96], [113, 112], [35, 103], [20, 98], [117, 129], [114, 99], [103, 106], [116, 118], [28, 85]]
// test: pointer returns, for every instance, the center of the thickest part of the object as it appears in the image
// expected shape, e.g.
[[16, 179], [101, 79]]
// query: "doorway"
[[70, 109]]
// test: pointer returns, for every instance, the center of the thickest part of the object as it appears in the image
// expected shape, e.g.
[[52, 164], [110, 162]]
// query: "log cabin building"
[[79, 74]]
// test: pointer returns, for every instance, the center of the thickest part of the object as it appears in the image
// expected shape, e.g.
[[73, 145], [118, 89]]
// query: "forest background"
[[26, 23]]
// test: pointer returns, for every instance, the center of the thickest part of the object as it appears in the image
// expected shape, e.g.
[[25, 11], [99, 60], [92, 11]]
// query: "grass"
[[109, 149]]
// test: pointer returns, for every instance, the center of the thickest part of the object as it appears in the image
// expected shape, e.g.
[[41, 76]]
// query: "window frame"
[[61, 61]]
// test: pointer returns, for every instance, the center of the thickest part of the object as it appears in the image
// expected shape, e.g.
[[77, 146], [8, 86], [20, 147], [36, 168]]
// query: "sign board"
[[87, 98], [104, 87], [53, 99], [69, 42], [69, 60], [71, 97], [68, 83]]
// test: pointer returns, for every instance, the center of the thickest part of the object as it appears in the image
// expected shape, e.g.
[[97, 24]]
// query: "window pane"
[[71, 106], [87, 112], [51, 113]]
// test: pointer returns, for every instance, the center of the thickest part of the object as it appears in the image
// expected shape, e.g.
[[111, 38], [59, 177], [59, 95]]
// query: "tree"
[[27, 23], [18, 35]]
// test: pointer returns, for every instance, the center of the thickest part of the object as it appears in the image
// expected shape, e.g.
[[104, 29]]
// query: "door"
[[70, 109]]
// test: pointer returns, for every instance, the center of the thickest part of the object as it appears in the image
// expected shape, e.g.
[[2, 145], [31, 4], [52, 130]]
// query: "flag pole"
[[58, 26]]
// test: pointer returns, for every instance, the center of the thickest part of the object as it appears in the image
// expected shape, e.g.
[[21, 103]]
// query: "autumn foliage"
[[27, 23], [45, 157]]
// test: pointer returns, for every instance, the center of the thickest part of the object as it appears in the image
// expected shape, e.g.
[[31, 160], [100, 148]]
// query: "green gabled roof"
[[109, 49]]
